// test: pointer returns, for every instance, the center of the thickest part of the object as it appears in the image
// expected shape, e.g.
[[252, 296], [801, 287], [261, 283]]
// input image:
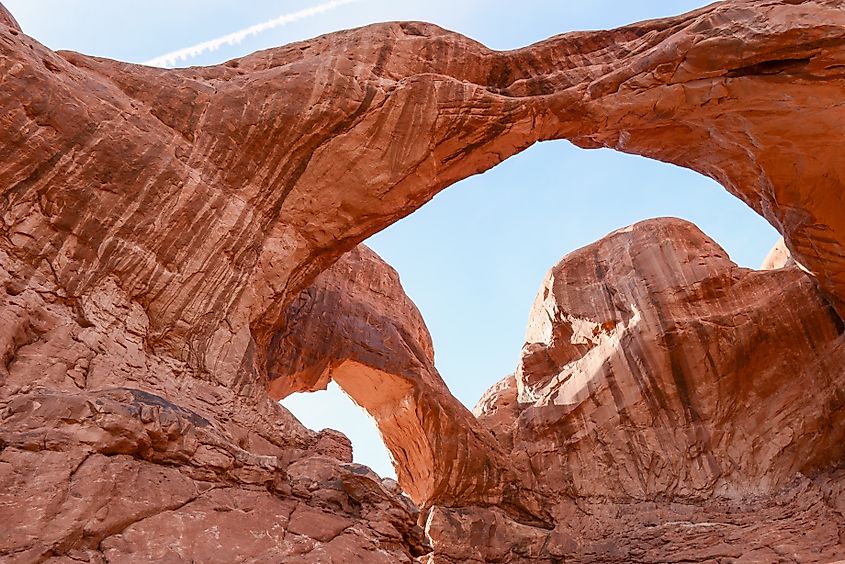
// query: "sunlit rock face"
[[664, 390], [669, 371], [661, 398], [158, 227]]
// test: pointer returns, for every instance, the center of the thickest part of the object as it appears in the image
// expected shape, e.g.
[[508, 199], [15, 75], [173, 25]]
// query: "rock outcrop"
[[668, 371], [660, 382], [8, 20], [162, 237], [659, 411], [356, 326]]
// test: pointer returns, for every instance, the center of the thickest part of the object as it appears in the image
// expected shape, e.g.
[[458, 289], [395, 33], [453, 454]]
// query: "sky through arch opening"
[[473, 258]]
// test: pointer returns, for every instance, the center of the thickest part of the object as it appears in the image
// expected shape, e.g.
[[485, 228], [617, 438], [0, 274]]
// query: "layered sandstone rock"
[[125, 475], [356, 326], [660, 409], [159, 225], [287, 158], [656, 370], [687, 375]]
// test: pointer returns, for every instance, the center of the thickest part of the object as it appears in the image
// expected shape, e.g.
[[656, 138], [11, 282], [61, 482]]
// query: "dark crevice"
[[838, 322], [764, 68]]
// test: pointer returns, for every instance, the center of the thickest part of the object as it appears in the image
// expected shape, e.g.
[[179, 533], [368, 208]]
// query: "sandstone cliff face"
[[655, 369], [162, 237], [686, 375]]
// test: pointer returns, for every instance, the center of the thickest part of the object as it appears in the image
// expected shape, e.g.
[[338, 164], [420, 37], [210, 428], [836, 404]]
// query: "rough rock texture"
[[7, 19], [686, 374], [356, 326], [122, 474], [157, 227], [664, 390], [659, 412]]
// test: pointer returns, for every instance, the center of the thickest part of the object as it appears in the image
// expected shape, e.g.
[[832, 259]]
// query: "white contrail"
[[172, 58]]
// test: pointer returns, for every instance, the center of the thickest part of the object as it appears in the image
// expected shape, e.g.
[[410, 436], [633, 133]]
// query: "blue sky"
[[473, 258]]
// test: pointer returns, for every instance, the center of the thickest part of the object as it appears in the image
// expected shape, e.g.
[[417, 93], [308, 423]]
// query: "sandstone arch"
[[427, 108], [158, 225], [654, 369], [356, 326]]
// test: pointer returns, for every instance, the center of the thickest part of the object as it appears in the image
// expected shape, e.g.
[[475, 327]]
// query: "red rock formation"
[[125, 474], [157, 226], [118, 437], [7, 19], [669, 371], [275, 205], [655, 369], [778, 257], [356, 326]]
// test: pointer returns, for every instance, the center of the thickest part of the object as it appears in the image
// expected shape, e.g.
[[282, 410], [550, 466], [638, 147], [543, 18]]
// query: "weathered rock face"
[[355, 325], [122, 474], [656, 370], [7, 19], [118, 439], [249, 150], [158, 228], [667, 370], [660, 407]]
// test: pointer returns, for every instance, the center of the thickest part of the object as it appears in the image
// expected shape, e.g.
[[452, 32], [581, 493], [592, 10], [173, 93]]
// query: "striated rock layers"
[[162, 236], [660, 411], [356, 326], [692, 409]]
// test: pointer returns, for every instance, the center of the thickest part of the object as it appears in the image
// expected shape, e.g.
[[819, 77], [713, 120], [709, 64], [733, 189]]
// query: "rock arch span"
[[356, 326], [249, 150], [158, 225]]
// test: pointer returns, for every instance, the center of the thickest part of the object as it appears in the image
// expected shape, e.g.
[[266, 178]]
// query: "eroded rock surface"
[[671, 404], [356, 326], [7, 19], [158, 225], [121, 474], [285, 159], [686, 373], [659, 413]]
